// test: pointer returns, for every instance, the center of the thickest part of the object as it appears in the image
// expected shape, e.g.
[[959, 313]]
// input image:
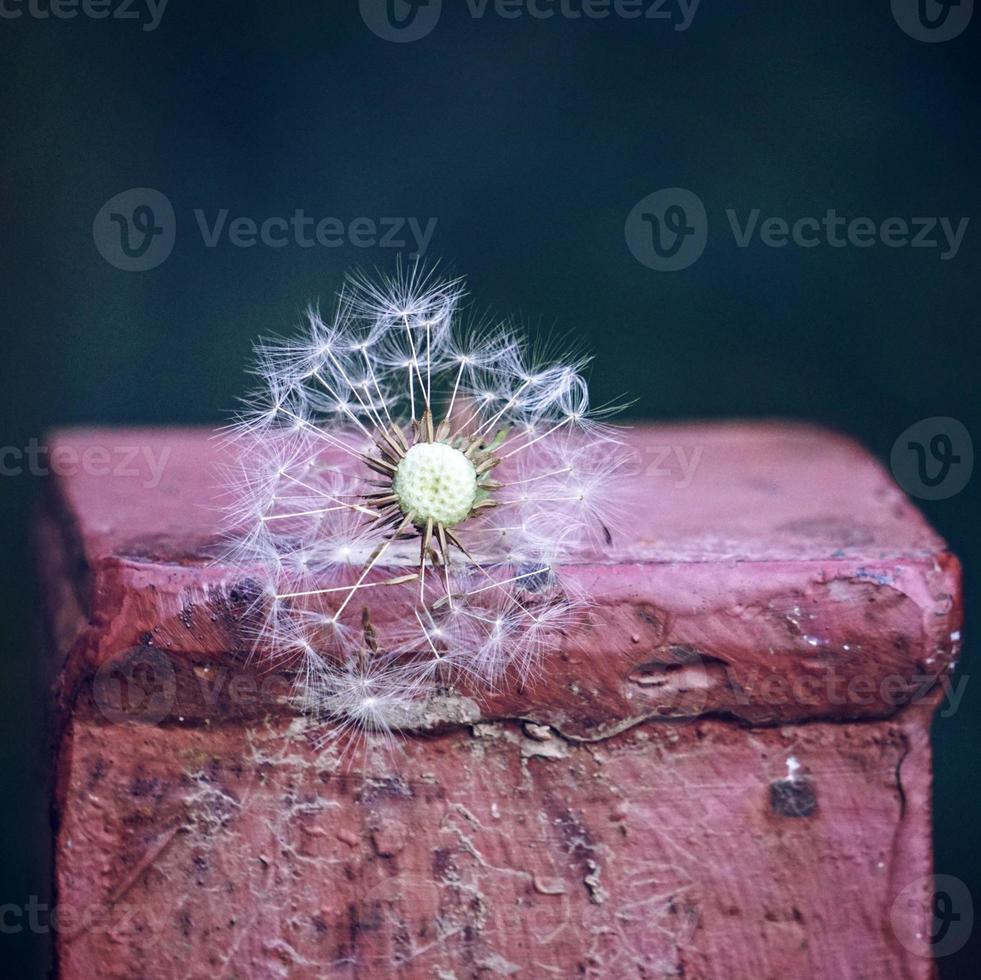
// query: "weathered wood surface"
[[722, 776]]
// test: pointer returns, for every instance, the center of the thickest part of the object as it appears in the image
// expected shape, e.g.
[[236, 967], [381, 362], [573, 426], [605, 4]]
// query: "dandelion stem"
[[323, 493], [540, 476], [374, 381], [507, 581], [509, 403], [538, 438], [414, 362], [371, 564], [313, 513], [342, 405], [399, 580], [456, 388]]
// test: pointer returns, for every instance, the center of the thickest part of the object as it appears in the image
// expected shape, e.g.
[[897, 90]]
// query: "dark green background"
[[529, 141]]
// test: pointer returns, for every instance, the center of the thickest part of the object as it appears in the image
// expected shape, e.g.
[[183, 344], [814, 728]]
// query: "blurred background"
[[514, 148]]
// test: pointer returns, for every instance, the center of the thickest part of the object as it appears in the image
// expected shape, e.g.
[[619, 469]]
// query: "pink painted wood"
[[727, 773]]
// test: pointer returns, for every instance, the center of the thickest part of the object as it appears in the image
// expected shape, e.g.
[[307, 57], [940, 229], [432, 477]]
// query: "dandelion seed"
[[412, 484]]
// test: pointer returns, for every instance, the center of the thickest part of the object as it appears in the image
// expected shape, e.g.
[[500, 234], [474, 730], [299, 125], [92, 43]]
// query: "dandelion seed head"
[[435, 482], [410, 482]]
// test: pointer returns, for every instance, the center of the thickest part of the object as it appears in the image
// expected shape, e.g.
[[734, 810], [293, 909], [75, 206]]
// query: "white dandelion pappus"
[[411, 487]]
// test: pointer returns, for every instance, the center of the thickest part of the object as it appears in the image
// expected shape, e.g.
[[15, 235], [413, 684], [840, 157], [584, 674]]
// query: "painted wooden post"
[[726, 774]]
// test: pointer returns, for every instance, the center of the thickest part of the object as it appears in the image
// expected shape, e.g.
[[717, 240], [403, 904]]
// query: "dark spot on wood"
[[246, 591], [389, 787], [433, 793], [689, 655], [533, 578], [372, 917], [647, 615], [353, 928], [442, 862], [146, 786], [792, 798], [98, 771]]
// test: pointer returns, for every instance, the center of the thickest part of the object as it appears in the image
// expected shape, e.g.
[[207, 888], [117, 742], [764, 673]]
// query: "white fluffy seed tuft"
[[413, 490]]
